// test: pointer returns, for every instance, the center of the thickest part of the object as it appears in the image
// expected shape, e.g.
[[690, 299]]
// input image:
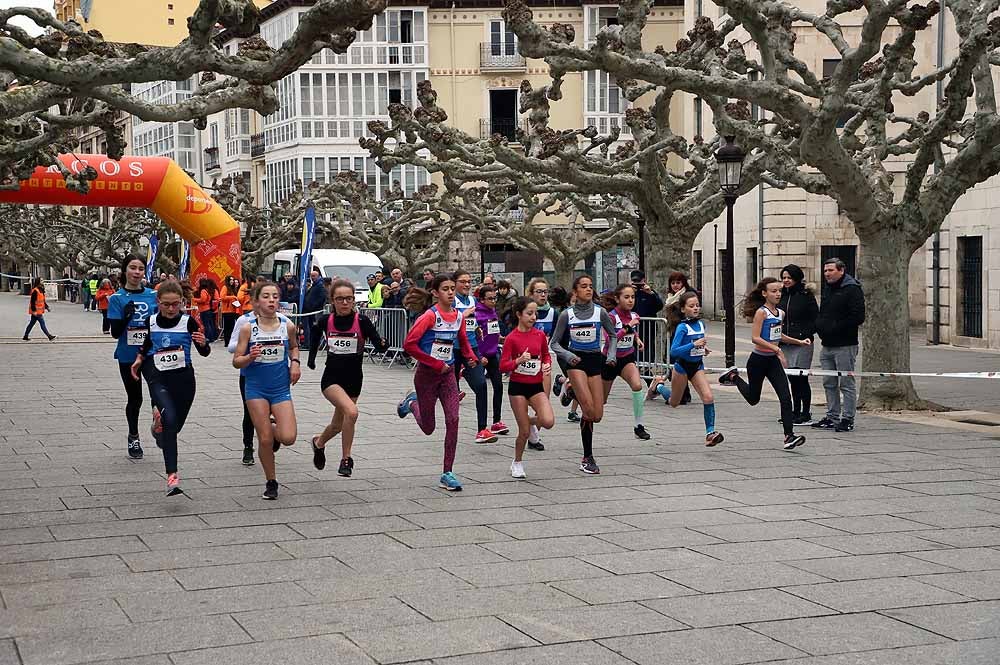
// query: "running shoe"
[[25, 338], [573, 417], [461, 395], [517, 470], [557, 385], [588, 465], [567, 396], [319, 455], [793, 441], [825, 423], [248, 456], [403, 408], [499, 428], [174, 485], [729, 378], [270, 490], [134, 447], [346, 467], [276, 446], [485, 436], [450, 482], [714, 439], [652, 393], [52, 338], [845, 425], [804, 419], [641, 433], [536, 445]]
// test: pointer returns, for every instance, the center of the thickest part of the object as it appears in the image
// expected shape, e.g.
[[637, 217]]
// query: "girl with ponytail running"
[[767, 360], [432, 341], [620, 306], [587, 325], [688, 349]]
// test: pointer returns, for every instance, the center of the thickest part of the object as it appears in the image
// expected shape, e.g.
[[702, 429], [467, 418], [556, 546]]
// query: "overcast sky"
[[27, 25]]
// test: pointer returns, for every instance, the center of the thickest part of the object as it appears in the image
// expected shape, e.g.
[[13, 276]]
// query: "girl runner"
[[346, 332], [264, 348], [688, 350], [128, 312], [767, 360], [488, 329], [620, 304], [545, 320], [37, 308], [431, 342], [465, 304], [560, 302], [584, 323], [169, 372], [526, 358]]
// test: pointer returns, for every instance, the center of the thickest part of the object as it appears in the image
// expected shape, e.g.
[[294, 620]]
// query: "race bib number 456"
[[341, 344]]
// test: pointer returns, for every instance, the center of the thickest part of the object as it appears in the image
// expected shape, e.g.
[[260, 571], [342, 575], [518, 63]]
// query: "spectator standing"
[[103, 293], [315, 301], [376, 291], [229, 305], [207, 301], [394, 297], [428, 276], [292, 289], [86, 295], [841, 313], [800, 308], [648, 304], [677, 285]]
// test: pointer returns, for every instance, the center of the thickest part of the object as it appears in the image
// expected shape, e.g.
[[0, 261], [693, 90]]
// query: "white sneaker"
[[517, 470]]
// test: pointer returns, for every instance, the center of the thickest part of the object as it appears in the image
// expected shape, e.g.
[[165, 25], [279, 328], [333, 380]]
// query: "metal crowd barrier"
[[392, 324], [655, 334]]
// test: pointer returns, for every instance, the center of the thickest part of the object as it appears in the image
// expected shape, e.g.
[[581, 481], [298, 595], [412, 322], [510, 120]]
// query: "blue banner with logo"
[[154, 245], [182, 268], [305, 258]]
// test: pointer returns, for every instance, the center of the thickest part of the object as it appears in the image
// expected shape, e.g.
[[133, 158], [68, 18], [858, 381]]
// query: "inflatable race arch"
[[157, 183]]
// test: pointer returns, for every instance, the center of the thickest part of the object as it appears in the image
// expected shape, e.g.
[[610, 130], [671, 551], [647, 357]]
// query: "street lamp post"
[[730, 162], [642, 244]]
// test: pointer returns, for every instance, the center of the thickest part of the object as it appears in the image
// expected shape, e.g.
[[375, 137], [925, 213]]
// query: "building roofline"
[[279, 6]]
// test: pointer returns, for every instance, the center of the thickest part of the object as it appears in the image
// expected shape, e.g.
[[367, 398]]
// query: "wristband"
[[296, 360]]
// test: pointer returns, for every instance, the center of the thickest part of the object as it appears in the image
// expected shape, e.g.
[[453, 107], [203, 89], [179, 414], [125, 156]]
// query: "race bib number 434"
[[271, 353]]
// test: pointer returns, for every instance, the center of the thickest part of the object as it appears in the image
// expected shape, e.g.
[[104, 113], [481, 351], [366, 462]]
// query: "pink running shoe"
[[486, 436], [499, 428], [174, 485]]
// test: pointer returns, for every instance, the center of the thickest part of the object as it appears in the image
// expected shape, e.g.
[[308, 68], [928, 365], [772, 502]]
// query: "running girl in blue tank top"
[[688, 350], [165, 360], [268, 349]]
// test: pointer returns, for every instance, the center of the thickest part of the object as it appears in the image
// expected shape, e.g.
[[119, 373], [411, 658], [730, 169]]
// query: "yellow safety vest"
[[375, 296], [93, 286]]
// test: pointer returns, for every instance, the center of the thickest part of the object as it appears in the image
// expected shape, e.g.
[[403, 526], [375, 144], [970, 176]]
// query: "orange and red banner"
[[157, 183]]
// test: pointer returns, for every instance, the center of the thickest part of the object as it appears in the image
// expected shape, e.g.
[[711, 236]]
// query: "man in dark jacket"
[[841, 314], [648, 303], [316, 298]]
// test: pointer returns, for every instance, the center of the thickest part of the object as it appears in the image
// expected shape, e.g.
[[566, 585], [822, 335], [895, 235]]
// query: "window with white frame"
[[605, 102], [281, 177], [503, 41], [599, 18]]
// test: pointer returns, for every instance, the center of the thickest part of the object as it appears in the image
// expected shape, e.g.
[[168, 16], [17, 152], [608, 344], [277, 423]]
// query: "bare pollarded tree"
[[948, 145], [650, 174], [67, 78], [63, 238]]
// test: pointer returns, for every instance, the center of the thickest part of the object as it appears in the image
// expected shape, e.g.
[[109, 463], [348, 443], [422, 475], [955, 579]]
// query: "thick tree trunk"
[[666, 251], [564, 270], [885, 335]]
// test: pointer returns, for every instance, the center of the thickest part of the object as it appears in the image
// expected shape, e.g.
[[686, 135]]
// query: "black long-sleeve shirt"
[[343, 324], [164, 322]]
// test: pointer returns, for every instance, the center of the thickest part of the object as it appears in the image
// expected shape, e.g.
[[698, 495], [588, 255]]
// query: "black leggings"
[[248, 430], [496, 378], [801, 394], [173, 393], [476, 378], [133, 389], [767, 367], [228, 323]]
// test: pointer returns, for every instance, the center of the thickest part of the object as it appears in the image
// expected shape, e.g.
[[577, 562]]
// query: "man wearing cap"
[[648, 303], [376, 290], [315, 301]]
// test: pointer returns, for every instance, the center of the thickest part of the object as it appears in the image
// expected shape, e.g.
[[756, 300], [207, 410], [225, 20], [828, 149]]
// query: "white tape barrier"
[[27, 278], [831, 372]]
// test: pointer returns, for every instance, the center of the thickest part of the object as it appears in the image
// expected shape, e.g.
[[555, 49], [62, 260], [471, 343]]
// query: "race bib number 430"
[[168, 360]]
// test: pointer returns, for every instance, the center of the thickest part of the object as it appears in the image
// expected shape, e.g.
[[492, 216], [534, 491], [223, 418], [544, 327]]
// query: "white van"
[[348, 264]]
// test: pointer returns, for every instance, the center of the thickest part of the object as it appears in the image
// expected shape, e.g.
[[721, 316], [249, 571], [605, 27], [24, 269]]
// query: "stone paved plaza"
[[878, 547]]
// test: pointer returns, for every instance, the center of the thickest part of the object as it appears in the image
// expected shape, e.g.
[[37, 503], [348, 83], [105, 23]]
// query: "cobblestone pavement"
[[877, 547]]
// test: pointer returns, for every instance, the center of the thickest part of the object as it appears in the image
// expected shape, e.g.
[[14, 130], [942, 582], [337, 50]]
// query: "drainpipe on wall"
[[936, 245], [454, 100]]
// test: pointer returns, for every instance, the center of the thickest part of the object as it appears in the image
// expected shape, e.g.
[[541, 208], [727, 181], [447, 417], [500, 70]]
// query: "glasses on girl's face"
[[489, 298], [343, 299], [541, 292]]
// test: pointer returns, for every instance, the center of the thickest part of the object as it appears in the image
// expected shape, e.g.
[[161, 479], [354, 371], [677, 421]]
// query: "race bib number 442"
[[583, 334]]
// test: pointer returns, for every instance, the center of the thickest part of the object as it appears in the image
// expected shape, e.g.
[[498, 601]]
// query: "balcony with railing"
[[211, 159], [506, 127], [496, 57], [257, 146]]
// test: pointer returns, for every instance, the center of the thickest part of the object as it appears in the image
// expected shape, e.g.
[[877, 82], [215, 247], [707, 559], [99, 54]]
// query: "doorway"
[[503, 113]]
